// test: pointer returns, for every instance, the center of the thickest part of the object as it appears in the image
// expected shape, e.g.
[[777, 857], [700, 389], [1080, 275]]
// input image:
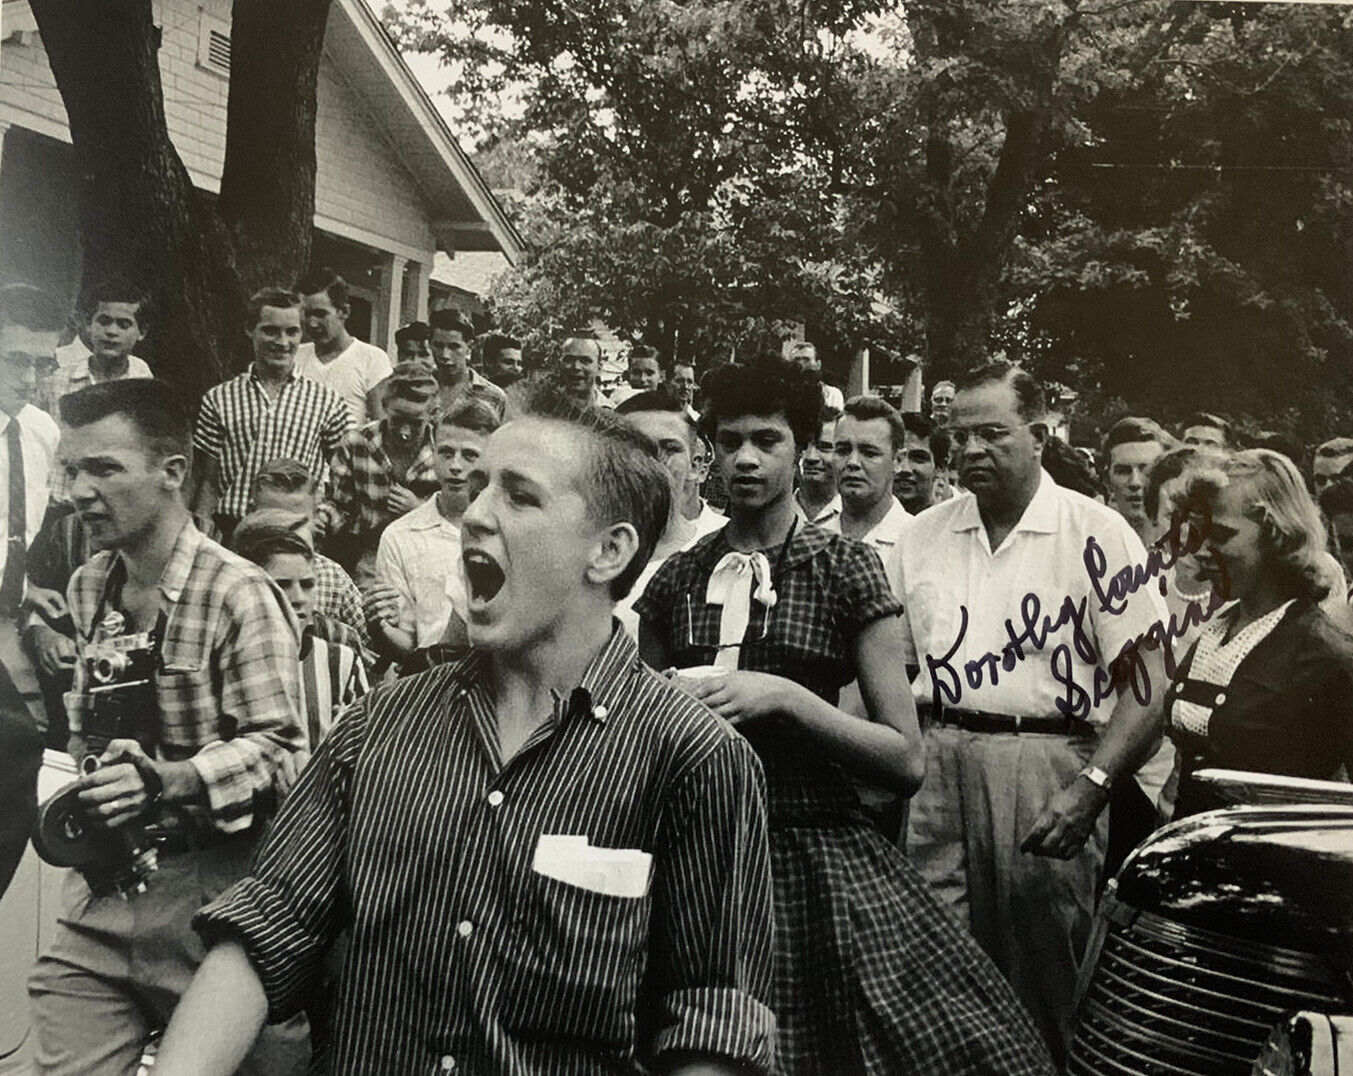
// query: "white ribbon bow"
[[730, 585]]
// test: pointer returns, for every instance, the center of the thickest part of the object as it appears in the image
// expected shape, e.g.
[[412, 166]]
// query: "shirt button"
[[1221, 698], [448, 1063], [464, 928], [495, 798], [600, 712]]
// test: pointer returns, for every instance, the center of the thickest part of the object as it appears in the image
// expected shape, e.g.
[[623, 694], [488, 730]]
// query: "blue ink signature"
[[1188, 531]]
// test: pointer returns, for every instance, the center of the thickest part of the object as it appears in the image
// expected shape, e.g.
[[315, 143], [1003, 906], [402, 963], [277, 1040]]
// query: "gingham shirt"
[[242, 428], [67, 379], [228, 684], [360, 476], [407, 830], [337, 597]]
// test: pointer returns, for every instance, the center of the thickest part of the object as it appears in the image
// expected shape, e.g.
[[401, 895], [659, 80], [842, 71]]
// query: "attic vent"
[[213, 45]]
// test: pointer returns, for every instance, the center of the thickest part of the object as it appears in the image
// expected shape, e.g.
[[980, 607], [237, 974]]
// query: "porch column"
[[386, 316]]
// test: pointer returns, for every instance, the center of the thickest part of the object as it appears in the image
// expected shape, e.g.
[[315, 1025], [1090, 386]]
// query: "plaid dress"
[[872, 976]]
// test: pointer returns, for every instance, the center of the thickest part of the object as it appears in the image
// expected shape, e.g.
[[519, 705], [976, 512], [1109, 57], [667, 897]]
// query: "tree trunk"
[[141, 217]]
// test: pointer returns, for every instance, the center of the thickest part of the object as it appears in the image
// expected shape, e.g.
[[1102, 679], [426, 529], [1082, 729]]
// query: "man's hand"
[[1067, 821], [401, 500], [116, 792], [319, 525], [53, 650], [381, 604], [51, 604]]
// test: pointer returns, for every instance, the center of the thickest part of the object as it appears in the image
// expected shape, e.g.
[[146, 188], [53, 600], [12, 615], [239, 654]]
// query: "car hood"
[[1275, 875]]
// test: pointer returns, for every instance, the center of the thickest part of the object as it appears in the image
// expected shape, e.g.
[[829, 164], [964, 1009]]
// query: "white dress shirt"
[[690, 532], [884, 536], [944, 563], [828, 519], [419, 555], [39, 435]]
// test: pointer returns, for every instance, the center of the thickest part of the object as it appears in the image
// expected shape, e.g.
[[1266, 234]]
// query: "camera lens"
[[107, 669]]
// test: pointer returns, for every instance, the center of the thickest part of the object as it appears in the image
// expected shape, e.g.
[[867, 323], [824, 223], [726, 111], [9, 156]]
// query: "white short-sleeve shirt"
[[358, 369], [944, 565], [884, 536], [419, 555]]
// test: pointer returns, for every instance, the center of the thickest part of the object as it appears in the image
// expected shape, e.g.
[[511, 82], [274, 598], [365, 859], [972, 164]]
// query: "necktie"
[[730, 585], [11, 582]]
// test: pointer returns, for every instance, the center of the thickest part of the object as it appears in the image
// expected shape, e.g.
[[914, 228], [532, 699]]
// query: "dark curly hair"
[[764, 387]]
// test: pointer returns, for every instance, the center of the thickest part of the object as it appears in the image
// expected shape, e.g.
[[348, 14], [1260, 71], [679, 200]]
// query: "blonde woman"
[[1268, 684]]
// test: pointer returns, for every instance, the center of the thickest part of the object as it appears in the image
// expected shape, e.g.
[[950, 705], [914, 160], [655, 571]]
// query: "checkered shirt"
[[243, 428], [228, 685], [360, 476], [337, 597]]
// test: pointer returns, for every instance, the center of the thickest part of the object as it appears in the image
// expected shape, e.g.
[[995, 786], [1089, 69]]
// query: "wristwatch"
[[1096, 777]]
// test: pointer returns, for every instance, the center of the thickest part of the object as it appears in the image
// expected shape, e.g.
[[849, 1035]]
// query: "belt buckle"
[[1018, 720]]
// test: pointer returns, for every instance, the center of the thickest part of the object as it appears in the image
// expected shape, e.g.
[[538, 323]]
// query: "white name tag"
[[614, 872]]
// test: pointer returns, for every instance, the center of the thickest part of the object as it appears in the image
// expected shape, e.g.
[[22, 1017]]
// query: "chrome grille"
[[1170, 999]]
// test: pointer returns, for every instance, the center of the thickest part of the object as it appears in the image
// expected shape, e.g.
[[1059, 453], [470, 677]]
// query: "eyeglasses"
[[988, 433]]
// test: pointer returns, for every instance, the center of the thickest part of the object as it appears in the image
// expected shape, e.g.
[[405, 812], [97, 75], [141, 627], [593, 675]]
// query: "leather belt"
[[988, 722]]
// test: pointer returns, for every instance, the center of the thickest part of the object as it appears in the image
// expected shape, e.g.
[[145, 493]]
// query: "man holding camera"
[[216, 722]]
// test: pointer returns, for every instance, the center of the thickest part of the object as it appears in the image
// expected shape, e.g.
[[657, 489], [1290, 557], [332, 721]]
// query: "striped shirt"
[[242, 428], [228, 687], [407, 829], [332, 679]]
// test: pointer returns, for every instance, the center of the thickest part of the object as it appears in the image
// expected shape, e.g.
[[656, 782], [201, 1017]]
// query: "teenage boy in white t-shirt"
[[332, 356]]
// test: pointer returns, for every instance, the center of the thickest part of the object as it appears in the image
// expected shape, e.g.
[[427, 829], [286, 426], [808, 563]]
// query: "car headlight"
[[1309, 1044]]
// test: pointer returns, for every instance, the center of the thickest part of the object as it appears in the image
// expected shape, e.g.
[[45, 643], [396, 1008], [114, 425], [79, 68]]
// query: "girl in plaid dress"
[[872, 976]]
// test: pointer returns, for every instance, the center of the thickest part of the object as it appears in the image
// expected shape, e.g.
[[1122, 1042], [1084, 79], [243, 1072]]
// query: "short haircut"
[[1292, 536], [867, 407], [327, 281], [683, 362], [940, 384], [474, 413], [414, 330], [153, 407], [765, 387], [662, 399], [1207, 418], [496, 343], [31, 308], [1030, 400], [277, 298], [448, 320], [1134, 430], [117, 290], [1069, 469], [285, 476], [918, 425], [798, 347], [271, 532], [622, 480], [643, 351], [581, 334], [411, 381]]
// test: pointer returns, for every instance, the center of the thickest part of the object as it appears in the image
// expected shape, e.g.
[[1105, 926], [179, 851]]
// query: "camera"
[[120, 685]]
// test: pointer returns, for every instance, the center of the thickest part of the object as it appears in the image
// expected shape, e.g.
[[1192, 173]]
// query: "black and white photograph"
[[676, 537]]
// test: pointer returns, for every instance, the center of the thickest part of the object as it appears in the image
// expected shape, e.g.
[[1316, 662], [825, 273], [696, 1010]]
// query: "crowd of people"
[[502, 721]]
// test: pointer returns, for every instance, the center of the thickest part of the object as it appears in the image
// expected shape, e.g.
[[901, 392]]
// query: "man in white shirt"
[[418, 598], [817, 500], [803, 353], [1013, 619], [30, 325], [578, 368], [661, 417], [333, 356], [117, 323], [683, 383], [868, 434]]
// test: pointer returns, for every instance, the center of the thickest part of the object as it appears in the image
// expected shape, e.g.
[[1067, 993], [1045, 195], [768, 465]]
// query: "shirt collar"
[[175, 575], [251, 374], [1040, 514], [597, 692], [891, 520], [428, 517], [808, 540]]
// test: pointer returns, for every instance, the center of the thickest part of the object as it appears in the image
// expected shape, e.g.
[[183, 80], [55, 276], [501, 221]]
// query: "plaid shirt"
[[228, 680], [242, 428], [360, 476], [337, 597]]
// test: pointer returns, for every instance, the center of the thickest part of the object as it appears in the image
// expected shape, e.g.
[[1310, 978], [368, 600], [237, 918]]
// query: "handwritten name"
[[1029, 635]]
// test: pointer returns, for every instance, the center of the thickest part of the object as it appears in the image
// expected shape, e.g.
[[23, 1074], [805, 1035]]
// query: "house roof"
[[467, 216]]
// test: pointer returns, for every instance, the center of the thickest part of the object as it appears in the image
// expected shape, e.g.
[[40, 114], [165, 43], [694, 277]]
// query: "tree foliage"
[[1145, 199]]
